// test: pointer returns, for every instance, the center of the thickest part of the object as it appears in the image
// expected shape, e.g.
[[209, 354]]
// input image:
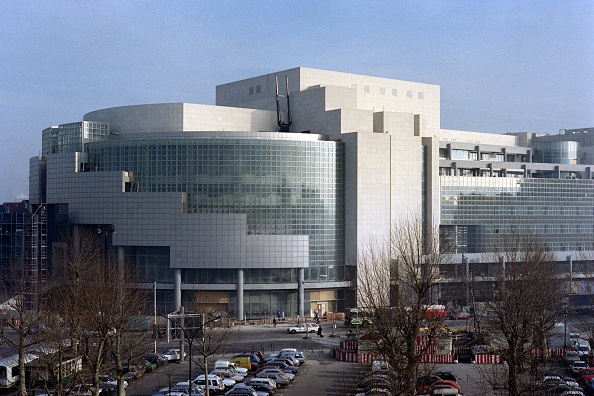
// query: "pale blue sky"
[[502, 65]]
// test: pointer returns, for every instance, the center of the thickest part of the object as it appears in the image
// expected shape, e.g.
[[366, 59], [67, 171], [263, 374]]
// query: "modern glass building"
[[215, 206]]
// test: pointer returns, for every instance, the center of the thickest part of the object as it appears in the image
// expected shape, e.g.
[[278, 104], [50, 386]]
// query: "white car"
[[302, 328], [173, 354], [577, 366], [182, 387], [214, 382], [226, 374], [227, 364]]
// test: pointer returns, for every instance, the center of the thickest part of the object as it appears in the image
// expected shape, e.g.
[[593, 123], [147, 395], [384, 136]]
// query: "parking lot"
[[320, 375]]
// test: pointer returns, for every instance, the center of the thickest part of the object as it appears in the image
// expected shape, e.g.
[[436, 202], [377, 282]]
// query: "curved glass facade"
[[556, 152], [285, 186], [559, 211]]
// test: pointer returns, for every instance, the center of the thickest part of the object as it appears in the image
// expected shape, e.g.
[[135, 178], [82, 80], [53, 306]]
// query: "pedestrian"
[[320, 332], [283, 314], [274, 322]]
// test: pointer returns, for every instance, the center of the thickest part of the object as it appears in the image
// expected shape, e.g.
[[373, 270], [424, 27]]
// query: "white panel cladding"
[[371, 93], [210, 240], [177, 117], [373, 205]]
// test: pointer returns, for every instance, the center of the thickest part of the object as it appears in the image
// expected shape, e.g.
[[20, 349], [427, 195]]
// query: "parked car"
[[578, 365], [447, 375], [182, 387], [173, 355], [215, 383], [302, 328], [585, 375], [589, 387], [267, 390], [374, 380], [424, 383], [156, 358], [440, 388], [147, 365], [462, 315], [109, 383], [254, 359], [83, 390], [136, 371], [172, 393], [227, 364], [275, 370], [280, 365], [281, 379], [571, 356], [290, 357], [286, 360], [265, 381], [226, 374], [247, 391], [375, 392], [256, 352]]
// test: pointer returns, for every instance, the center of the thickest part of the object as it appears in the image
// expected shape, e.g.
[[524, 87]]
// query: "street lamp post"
[[565, 328], [191, 336], [107, 231]]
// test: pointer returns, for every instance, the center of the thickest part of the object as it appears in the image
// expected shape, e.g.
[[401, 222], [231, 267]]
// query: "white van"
[[215, 383], [582, 347], [265, 381], [227, 364]]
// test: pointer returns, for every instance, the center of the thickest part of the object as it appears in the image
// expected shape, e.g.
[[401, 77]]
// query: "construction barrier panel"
[[488, 359], [433, 358], [349, 345], [353, 357]]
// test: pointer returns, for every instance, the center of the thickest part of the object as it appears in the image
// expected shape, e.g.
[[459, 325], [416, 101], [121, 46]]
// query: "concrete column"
[[120, 258], [177, 289], [239, 290], [570, 261], [467, 270], [300, 290]]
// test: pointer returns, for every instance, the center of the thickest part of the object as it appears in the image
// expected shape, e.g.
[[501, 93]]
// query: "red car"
[[585, 375], [462, 315]]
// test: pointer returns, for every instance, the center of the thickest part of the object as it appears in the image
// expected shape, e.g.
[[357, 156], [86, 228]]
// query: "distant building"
[[23, 246], [218, 206]]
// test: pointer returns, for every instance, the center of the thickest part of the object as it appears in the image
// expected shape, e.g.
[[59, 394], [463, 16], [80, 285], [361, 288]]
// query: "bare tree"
[[24, 319], [396, 284], [96, 298], [525, 300]]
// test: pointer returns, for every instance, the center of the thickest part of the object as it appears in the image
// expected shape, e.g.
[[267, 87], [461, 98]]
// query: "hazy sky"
[[502, 65]]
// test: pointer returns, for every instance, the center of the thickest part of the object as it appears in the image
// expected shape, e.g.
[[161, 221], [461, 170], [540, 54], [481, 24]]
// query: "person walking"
[[274, 322], [320, 332]]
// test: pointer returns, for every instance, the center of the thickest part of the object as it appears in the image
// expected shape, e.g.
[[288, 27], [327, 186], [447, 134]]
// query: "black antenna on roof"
[[283, 126]]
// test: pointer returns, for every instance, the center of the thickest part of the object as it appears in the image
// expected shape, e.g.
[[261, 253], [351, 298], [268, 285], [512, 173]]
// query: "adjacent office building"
[[259, 204]]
